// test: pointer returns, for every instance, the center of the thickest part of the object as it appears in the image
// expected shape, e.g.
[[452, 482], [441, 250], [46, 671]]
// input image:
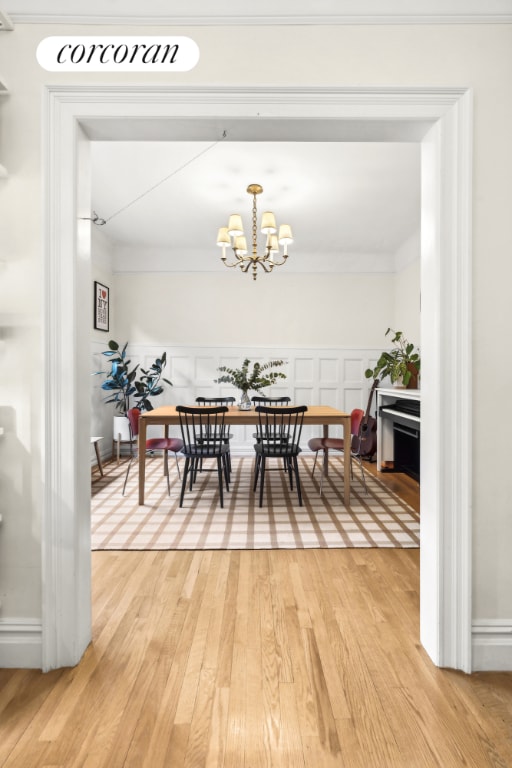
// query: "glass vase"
[[245, 402]]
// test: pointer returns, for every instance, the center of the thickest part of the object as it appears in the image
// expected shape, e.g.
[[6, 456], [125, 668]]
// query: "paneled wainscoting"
[[321, 376]]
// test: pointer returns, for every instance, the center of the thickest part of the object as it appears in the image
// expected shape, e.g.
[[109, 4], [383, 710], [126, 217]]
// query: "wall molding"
[[446, 541], [21, 643], [327, 375], [299, 12], [492, 645]]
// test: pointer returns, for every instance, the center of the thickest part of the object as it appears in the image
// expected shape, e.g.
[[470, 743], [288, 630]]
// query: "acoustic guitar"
[[368, 430]]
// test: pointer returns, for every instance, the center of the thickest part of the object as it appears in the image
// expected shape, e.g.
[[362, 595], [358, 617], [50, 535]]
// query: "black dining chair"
[[278, 432], [203, 433], [259, 400], [210, 401], [215, 400]]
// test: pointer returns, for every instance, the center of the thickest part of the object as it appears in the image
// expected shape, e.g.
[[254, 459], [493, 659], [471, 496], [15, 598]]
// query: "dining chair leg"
[[127, 473], [322, 474], [221, 481], [166, 471], [262, 480], [314, 463], [297, 479], [256, 472], [184, 481], [227, 474], [289, 467], [362, 474], [177, 464]]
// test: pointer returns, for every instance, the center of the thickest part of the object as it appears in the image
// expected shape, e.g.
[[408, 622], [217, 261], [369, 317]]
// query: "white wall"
[[328, 327], [101, 412], [278, 309], [407, 289], [479, 56]]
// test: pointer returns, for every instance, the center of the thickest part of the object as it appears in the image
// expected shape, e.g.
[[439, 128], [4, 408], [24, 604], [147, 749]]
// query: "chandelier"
[[233, 236]]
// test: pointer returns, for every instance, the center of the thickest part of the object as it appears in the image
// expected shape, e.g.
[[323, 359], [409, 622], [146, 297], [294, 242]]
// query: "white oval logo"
[[106, 53]]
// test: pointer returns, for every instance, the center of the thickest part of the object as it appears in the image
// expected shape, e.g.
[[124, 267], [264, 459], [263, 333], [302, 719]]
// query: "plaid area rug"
[[376, 519]]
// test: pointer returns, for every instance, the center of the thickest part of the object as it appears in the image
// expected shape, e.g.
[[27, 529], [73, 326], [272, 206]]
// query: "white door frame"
[[445, 614]]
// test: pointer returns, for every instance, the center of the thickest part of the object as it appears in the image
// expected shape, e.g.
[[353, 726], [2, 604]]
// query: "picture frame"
[[101, 306]]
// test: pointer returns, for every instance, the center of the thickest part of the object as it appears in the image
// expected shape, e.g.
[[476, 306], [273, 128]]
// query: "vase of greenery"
[[401, 363], [248, 379], [123, 382]]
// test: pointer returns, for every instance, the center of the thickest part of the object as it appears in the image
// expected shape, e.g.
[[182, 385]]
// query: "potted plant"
[[402, 363], [121, 383], [256, 379]]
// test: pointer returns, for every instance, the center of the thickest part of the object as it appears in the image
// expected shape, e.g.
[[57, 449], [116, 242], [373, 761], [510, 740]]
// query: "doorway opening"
[[74, 119]]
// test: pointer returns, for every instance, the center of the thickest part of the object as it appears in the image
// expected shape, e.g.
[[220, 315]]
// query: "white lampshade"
[[285, 234], [223, 238], [268, 223], [240, 245], [274, 245], [235, 226]]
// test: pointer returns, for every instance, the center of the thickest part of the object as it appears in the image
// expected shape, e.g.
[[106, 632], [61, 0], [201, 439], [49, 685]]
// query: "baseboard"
[[21, 643], [492, 645]]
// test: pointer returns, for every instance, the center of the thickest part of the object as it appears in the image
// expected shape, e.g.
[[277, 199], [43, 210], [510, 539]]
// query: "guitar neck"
[[370, 397]]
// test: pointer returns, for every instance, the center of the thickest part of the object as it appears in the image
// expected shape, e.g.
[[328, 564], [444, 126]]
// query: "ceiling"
[[342, 199]]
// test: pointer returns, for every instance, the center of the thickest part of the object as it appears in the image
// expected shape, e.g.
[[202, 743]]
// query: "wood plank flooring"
[[305, 658], [290, 658]]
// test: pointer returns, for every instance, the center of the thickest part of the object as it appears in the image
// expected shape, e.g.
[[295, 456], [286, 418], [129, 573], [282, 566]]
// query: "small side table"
[[95, 441]]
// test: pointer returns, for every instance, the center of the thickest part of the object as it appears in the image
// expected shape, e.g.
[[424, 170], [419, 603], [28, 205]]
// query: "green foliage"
[[256, 379], [121, 382], [149, 384], [401, 362]]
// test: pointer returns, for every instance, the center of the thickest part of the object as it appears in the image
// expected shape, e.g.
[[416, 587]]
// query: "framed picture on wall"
[[101, 306]]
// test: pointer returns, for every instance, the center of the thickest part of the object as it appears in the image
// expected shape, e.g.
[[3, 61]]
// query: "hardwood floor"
[[406, 487], [304, 658], [285, 658]]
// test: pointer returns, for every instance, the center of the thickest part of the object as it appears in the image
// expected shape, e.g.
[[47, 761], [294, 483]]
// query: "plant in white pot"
[[122, 383], [256, 379]]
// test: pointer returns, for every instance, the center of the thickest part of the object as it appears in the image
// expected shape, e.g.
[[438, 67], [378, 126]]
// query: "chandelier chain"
[[254, 228]]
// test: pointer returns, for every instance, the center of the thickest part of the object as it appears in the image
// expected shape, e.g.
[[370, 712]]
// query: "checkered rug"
[[376, 519]]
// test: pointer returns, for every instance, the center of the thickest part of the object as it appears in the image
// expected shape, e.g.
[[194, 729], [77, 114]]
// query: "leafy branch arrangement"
[[149, 384], [121, 382], [401, 362], [259, 377]]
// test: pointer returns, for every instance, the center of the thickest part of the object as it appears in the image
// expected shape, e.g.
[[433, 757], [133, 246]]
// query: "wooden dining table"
[[321, 415]]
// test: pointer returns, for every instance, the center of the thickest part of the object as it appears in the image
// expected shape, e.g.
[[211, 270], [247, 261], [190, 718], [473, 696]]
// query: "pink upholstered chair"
[[317, 444], [165, 444]]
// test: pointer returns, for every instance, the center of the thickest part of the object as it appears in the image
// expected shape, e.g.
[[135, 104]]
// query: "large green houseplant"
[[402, 363], [251, 379], [123, 382]]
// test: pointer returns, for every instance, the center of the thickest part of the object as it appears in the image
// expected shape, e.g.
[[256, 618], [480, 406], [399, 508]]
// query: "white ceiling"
[[341, 198]]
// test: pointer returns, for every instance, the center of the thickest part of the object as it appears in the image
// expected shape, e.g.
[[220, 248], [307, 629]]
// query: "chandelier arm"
[[267, 266], [239, 260], [279, 263]]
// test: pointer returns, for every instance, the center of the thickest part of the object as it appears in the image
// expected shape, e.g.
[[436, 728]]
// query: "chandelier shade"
[[233, 237]]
